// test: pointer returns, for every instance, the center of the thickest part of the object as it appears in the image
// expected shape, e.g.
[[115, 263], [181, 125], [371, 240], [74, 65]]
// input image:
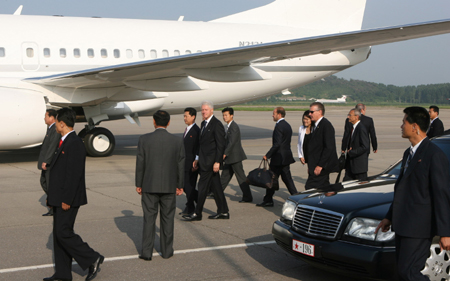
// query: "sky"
[[414, 62]]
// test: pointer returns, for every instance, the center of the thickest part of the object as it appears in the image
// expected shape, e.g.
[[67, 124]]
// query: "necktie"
[[60, 143], [203, 126], [185, 130], [410, 156]]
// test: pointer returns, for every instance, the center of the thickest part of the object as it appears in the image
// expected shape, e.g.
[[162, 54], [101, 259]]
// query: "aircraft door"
[[30, 56]]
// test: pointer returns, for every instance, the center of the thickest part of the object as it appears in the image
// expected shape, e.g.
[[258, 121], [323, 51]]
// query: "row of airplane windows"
[[30, 52]]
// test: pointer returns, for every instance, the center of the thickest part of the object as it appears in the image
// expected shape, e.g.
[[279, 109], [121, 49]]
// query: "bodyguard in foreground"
[[66, 193], [159, 178], [421, 205]]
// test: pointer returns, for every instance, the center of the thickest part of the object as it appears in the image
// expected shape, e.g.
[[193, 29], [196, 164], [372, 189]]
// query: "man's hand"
[[224, 156], [444, 242], [385, 225], [302, 160], [265, 157], [64, 206], [317, 170], [375, 150], [216, 167], [44, 166], [195, 165], [139, 190], [179, 191]]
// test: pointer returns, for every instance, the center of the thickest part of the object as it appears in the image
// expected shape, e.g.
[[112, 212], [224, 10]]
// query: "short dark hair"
[[280, 110], [418, 115], [306, 114], [192, 111], [66, 115], [319, 105], [51, 112], [229, 109], [161, 118], [435, 108]]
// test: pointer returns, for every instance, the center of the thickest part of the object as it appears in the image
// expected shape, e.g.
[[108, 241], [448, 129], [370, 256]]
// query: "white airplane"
[[109, 69], [342, 99]]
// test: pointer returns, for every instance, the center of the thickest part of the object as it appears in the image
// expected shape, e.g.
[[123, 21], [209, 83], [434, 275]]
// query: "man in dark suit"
[[436, 126], [421, 198], [280, 155], [48, 149], [370, 128], [210, 157], [191, 144], [66, 193], [322, 149], [159, 178], [356, 165], [233, 156]]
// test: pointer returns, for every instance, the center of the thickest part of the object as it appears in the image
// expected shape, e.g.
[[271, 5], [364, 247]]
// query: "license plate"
[[304, 248]]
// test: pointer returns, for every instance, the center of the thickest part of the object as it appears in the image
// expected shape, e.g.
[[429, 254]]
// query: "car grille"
[[316, 221]]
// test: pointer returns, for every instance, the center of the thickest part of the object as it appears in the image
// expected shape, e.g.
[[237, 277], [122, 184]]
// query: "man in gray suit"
[[233, 156], [48, 149], [159, 176]]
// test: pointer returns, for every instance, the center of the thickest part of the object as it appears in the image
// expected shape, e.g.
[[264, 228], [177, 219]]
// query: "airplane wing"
[[146, 75]]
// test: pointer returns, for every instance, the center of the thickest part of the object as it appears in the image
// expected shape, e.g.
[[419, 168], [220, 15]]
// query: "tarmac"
[[241, 248]]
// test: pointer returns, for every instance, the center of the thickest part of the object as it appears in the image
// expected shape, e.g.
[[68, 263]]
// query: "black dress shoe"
[[265, 204], [55, 279], [210, 196], [95, 268], [145, 258], [47, 215], [221, 216], [192, 217], [245, 201]]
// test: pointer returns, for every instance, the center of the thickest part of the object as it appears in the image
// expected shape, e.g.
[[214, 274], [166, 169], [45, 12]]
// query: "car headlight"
[[288, 210], [364, 228]]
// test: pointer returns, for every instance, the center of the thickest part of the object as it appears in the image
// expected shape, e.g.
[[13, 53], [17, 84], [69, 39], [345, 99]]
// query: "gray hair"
[[208, 103], [360, 106], [357, 112]]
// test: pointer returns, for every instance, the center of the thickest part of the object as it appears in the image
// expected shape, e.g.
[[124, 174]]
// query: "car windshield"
[[393, 171]]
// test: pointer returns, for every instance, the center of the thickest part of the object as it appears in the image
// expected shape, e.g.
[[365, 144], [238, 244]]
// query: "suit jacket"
[[49, 146], [421, 205], [358, 156], [191, 145], [212, 145], [322, 148], [370, 127], [67, 179], [234, 151], [160, 162], [436, 128], [280, 154]]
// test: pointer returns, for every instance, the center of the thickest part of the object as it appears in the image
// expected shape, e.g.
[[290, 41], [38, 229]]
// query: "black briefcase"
[[263, 177]]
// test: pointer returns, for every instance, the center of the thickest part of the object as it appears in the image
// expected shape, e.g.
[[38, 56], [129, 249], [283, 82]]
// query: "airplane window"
[[2, 52], [176, 53], [46, 52], [62, 52], [104, 53], [153, 54], [129, 53], [90, 53], [76, 53], [116, 53], [141, 54], [165, 53], [187, 52], [30, 52]]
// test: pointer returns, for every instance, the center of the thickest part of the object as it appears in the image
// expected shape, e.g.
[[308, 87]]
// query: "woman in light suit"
[[304, 135]]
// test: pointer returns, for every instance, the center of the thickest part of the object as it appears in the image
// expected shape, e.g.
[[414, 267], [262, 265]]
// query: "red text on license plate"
[[304, 248]]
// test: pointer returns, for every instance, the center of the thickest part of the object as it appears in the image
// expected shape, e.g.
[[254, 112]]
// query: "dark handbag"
[[341, 165], [262, 177]]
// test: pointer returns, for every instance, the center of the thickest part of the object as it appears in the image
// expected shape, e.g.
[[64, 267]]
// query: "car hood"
[[353, 197]]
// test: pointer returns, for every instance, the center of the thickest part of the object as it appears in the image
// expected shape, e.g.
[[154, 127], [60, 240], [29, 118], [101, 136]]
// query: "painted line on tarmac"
[[34, 267]]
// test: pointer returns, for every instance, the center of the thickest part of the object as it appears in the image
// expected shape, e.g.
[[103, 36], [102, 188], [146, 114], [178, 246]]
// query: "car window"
[[393, 171]]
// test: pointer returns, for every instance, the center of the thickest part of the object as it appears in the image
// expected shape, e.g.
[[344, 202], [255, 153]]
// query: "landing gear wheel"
[[437, 265], [99, 142]]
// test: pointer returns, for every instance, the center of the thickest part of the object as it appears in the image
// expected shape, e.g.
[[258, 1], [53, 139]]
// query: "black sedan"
[[335, 231]]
